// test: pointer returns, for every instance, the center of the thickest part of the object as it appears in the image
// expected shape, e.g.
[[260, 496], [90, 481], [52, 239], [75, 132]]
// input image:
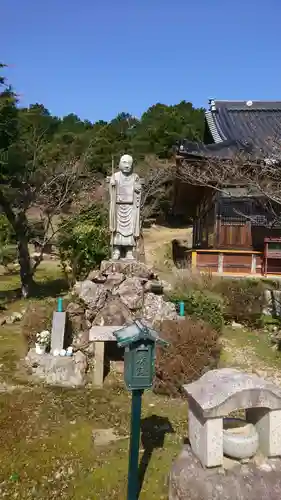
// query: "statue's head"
[[126, 164]]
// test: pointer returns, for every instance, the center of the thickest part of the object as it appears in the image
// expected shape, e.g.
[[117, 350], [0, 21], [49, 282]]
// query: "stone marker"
[[58, 331], [99, 335], [63, 371], [219, 392]]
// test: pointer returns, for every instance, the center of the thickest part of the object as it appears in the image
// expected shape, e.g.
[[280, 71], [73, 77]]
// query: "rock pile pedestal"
[[120, 292], [117, 294]]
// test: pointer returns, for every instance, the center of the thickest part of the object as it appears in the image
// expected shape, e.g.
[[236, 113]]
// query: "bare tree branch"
[[156, 174], [261, 179]]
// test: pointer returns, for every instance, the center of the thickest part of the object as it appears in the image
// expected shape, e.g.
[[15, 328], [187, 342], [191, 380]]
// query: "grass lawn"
[[47, 450], [255, 345]]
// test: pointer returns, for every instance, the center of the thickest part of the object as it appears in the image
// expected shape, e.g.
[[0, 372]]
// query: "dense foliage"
[[244, 299], [218, 300], [83, 242], [204, 305], [8, 252]]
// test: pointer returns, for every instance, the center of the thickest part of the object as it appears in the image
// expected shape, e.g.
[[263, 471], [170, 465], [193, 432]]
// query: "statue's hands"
[[138, 187], [112, 181]]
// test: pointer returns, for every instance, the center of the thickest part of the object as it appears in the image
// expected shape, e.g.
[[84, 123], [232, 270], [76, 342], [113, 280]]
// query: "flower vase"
[[40, 349]]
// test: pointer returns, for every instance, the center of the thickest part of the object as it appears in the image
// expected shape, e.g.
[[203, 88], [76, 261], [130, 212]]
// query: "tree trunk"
[[26, 270], [26, 274], [20, 225]]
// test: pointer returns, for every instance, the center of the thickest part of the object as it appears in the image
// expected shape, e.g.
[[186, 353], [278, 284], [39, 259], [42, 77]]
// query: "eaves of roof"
[[253, 127]]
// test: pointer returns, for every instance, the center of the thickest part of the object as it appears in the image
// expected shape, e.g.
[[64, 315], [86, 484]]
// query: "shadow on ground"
[[153, 431], [40, 290], [52, 288]]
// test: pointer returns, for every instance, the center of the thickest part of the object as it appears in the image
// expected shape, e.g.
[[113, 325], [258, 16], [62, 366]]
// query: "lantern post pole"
[[139, 369], [133, 471]]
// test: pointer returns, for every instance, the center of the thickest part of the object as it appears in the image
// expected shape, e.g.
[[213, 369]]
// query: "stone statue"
[[124, 213]]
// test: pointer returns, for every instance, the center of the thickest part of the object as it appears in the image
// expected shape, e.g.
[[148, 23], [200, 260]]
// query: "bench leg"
[[99, 364]]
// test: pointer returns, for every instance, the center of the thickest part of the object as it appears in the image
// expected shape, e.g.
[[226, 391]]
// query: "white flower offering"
[[43, 338]]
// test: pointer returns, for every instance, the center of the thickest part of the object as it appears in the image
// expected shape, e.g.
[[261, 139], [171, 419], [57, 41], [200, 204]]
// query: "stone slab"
[[63, 371], [252, 481], [267, 423], [206, 439], [218, 392], [103, 333], [58, 331]]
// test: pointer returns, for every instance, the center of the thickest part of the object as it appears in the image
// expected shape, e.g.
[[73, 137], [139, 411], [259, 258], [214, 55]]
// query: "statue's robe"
[[124, 213]]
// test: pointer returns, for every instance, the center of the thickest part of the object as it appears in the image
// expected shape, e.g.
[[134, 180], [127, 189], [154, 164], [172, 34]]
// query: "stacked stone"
[[117, 294]]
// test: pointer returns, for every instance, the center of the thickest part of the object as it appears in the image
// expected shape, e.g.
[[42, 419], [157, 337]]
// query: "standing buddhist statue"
[[124, 213]]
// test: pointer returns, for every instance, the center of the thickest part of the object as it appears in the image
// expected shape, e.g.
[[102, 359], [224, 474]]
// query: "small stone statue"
[[124, 212]]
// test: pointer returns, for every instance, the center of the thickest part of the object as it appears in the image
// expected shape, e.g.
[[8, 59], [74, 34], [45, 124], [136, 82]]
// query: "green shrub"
[[8, 250], [7, 234], [8, 254], [83, 242], [206, 306], [244, 299], [266, 320], [194, 347], [241, 300]]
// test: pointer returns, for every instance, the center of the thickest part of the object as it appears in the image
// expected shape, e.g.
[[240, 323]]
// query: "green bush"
[[269, 321], [8, 254], [8, 250], [203, 305], [7, 234], [83, 242], [243, 298]]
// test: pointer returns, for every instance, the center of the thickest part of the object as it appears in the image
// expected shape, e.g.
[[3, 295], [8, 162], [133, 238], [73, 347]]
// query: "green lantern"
[[139, 358]]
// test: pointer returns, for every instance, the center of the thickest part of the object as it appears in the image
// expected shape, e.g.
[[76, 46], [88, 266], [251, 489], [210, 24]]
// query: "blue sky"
[[97, 58]]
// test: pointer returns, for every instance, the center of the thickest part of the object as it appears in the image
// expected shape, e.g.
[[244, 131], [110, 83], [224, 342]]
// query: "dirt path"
[[156, 237]]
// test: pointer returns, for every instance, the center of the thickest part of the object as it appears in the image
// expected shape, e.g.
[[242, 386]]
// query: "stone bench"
[[215, 395], [99, 335]]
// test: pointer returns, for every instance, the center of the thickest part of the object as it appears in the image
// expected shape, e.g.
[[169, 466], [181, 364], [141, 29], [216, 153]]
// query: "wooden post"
[[193, 260]]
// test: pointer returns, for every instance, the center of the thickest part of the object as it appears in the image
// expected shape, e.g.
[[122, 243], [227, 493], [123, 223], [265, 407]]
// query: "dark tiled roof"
[[250, 126]]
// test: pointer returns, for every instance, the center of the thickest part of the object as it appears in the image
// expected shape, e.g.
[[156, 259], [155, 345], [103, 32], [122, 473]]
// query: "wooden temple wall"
[[234, 235], [221, 261]]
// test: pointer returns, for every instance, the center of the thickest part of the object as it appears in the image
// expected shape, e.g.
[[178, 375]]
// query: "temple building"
[[233, 231]]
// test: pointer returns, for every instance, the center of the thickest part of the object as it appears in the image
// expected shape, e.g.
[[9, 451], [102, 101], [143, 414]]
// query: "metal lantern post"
[[139, 367]]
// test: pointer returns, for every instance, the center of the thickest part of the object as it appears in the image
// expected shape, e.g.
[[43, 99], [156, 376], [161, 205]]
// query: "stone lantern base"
[[259, 479]]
